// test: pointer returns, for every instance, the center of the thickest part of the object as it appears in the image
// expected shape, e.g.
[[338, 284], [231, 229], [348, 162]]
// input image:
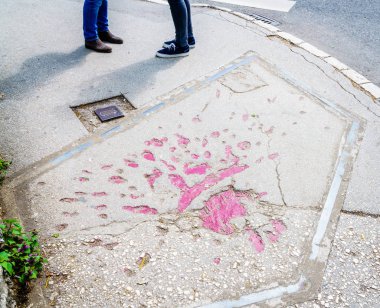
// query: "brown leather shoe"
[[98, 46], [110, 38]]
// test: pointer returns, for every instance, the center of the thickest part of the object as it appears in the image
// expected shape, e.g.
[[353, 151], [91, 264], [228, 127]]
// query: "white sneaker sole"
[[166, 46], [160, 55]]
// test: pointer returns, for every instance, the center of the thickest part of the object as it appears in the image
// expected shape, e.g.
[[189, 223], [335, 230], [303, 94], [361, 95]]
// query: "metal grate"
[[265, 19]]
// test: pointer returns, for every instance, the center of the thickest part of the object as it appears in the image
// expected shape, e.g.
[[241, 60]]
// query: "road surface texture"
[[348, 31], [246, 174]]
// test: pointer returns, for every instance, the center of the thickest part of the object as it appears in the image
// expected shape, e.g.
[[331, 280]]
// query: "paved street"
[[244, 174], [347, 30]]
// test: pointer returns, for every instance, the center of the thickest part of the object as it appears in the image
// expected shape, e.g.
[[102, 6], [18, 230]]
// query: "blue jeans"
[[181, 15], [94, 18]]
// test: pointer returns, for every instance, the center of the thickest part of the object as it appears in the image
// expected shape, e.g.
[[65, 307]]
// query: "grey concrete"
[[69, 76], [348, 31]]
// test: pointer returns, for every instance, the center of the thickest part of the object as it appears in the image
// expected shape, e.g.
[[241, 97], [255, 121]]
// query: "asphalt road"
[[347, 30]]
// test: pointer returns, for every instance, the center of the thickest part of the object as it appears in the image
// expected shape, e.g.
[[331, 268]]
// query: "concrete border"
[[359, 80], [306, 285]]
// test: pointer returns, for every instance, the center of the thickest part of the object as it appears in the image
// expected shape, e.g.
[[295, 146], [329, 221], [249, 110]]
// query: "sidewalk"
[[223, 188]]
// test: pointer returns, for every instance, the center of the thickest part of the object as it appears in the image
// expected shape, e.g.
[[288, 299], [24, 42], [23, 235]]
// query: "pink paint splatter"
[[244, 145], [134, 196], [153, 177], [194, 156], [230, 155], [261, 194], [215, 134], [86, 171], [116, 179], [182, 141], [217, 260], [101, 207], [80, 193], [279, 228], [83, 179], [69, 200], [131, 163], [174, 159], [99, 194], [198, 169], [188, 194], [207, 154], [172, 149], [196, 119], [256, 240], [245, 117], [141, 209], [273, 156], [170, 167], [204, 142], [148, 155], [106, 167], [219, 211], [156, 142]]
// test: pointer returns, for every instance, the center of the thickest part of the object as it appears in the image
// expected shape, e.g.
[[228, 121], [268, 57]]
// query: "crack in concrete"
[[277, 164], [360, 213], [336, 81], [240, 92]]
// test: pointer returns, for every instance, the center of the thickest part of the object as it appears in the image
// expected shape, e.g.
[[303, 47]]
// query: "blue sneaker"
[[190, 41], [173, 51]]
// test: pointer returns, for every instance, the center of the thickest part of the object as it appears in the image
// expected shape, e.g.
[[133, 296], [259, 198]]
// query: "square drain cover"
[[108, 113], [96, 115]]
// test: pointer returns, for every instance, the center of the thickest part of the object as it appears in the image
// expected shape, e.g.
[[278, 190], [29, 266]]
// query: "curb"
[[362, 82]]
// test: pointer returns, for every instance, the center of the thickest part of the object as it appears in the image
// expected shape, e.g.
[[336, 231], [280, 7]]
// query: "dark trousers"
[[95, 18], [181, 15]]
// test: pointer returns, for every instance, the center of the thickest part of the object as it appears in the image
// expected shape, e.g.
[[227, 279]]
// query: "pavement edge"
[[356, 78]]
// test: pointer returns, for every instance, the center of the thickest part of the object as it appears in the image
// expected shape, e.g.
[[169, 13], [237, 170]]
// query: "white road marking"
[[274, 5]]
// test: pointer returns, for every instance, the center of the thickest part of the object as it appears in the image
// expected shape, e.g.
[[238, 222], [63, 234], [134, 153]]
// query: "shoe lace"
[[172, 46]]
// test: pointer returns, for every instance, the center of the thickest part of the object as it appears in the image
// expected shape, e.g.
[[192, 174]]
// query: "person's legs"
[[90, 17], [102, 21], [190, 34], [180, 19]]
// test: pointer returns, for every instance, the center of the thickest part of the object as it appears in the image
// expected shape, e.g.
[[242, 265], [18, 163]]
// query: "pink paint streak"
[[134, 196], [116, 179], [261, 194], [169, 166], [101, 207], [244, 145], [256, 240], [172, 149], [99, 194], [106, 167], [83, 179], [141, 209], [207, 154], [153, 177], [273, 156], [194, 156], [131, 163], [148, 155], [156, 142], [174, 159], [188, 194], [219, 211], [217, 260], [204, 142], [198, 169], [279, 228], [182, 141], [215, 134]]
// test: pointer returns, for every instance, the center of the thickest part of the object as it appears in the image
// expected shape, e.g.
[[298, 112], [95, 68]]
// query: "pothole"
[[87, 113]]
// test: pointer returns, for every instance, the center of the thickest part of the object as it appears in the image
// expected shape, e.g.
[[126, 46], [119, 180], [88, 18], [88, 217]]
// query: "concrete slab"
[[206, 198]]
